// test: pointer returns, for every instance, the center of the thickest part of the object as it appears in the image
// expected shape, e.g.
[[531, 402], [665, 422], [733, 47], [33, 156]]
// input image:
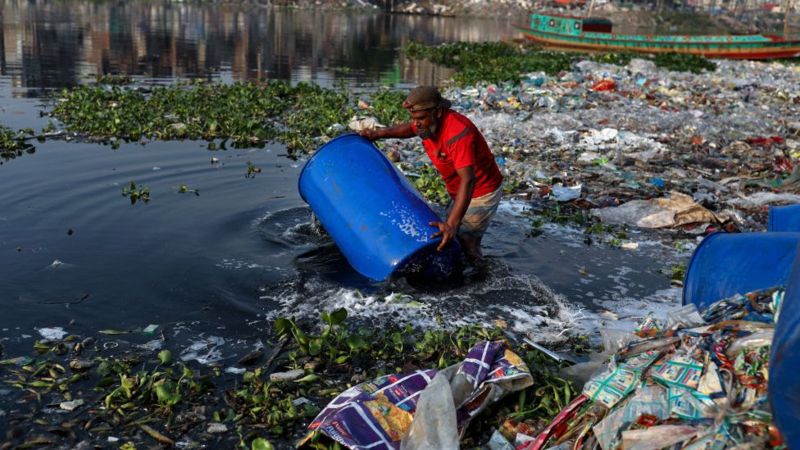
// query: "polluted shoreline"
[[578, 139]]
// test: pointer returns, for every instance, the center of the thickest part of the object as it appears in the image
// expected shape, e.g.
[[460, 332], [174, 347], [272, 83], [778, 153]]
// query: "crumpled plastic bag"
[[358, 123], [648, 399], [612, 341], [658, 437], [436, 422], [604, 85], [434, 425], [679, 209], [561, 193], [759, 199]]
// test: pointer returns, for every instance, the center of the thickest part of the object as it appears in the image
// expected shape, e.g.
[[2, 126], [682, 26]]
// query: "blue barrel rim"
[[694, 280], [784, 218], [692, 261], [780, 368], [771, 218], [325, 145]]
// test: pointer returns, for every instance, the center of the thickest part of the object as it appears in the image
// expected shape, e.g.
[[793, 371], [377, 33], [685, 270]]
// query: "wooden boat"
[[595, 34]]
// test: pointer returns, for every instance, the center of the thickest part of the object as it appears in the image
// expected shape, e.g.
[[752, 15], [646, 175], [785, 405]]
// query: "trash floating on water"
[[205, 350], [53, 334]]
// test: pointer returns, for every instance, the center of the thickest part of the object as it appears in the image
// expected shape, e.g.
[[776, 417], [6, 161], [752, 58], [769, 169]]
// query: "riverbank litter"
[[691, 382], [426, 409], [716, 147]]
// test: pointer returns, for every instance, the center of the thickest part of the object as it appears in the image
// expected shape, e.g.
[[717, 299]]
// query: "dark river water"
[[220, 266]]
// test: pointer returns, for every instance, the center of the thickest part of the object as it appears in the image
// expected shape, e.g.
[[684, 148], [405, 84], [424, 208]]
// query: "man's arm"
[[448, 230], [401, 131]]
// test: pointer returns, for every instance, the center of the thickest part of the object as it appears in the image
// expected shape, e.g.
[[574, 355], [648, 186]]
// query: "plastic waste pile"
[[602, 135], [424, 409], [692, 382]]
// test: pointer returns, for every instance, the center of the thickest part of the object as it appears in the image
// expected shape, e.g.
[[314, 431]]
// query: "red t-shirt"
[[459, 144]]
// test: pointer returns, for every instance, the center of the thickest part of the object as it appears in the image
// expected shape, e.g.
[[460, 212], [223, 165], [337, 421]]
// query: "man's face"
[[427, 121]]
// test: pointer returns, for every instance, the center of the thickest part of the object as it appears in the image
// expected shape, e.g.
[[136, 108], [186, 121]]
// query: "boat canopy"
[[569, 25], [597, 25]]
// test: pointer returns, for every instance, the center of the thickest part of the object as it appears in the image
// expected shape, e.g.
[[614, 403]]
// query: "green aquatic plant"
[[136, 193], [261, 444], [184, 189], [429, 183], [490, 62], [247, 114], [335, 345], [677, 272], [272, 403], [252, 170], [549, 394], [113, 79], [387, 106], [681, 62], [497, 62], [618, 59], [312, 113], [14, 143]]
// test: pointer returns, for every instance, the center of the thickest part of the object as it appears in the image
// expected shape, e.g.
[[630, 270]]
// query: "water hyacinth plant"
[[248, 114], [490, 62], [13, 143], [136, 193], [498, 62], [429, 183], [387, 106]]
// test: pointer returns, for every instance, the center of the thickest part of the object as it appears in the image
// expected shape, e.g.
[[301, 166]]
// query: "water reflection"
[[46, 44]]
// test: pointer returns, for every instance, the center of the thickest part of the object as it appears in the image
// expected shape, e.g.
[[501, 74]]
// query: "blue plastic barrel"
[[784, 364], [784, 218], [728, 264], [375, 216]]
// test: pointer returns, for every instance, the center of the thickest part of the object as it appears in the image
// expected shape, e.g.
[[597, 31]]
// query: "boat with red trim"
[[596, 34]]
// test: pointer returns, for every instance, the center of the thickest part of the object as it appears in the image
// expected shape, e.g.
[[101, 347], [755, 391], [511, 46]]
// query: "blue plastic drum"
[[728, 264], [784, 365], [375, 216], [784, 218]]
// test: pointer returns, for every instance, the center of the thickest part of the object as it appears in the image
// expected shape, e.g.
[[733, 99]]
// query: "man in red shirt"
[[460, 154]]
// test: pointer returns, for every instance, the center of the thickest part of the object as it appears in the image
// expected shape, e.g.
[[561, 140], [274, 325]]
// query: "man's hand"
[[401, 131], [446, 231], [369, 134]]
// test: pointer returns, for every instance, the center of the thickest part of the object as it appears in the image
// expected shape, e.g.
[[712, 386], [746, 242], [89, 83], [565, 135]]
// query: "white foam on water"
[[58, 265], [261, 219], [628, 312], [237, 264], [513, 207], [526, 304], [155, 344], [205, 350], [310, 304], [53, 334], [621, 280]]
